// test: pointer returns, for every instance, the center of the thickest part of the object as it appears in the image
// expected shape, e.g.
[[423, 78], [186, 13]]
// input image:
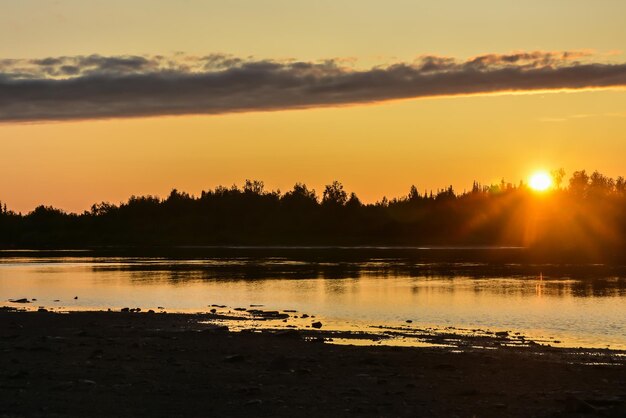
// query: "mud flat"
[[156, 364]]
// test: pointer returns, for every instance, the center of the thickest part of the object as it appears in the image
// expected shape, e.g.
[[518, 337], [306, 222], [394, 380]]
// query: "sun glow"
[[540, 181]]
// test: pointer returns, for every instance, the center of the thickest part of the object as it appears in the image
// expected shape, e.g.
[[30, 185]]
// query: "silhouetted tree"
[[557, 177], [600, 184], [447, 194], [300, 195], [579, 182], [620, 186], [353, 202], [253, 187], [590, 214], [102, 209], [334, 194], [413, 195]]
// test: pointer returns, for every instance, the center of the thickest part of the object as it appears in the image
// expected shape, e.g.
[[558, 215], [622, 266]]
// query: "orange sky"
[[375, 150]]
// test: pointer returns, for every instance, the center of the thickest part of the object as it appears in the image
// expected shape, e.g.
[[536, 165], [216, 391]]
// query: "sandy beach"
[[155, 364]]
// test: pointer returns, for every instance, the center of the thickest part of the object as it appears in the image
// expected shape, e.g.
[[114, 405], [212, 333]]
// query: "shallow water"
[[576, 305]]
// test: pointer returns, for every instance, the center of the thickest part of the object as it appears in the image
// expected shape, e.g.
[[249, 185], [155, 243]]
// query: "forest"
[[582, 217]]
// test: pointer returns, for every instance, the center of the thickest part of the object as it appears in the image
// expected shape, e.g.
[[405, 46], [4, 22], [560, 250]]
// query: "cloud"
[[581, 116], [92, 87]]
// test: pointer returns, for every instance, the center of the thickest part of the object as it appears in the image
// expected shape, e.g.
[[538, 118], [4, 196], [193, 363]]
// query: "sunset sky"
[[103, 100]]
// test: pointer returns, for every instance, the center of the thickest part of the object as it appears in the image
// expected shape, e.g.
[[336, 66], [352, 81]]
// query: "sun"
[[540, 181]]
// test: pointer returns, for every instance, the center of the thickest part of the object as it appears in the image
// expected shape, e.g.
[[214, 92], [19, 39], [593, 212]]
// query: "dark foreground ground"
[[136, 364]]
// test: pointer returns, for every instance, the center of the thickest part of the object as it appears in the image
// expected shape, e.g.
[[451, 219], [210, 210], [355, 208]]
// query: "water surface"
[[576, 305]]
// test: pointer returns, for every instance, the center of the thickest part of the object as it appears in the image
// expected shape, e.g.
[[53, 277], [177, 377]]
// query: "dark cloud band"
[[91, 87]]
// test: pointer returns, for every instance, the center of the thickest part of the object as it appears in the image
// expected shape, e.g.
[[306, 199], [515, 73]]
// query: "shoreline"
[[407, 333], [488, 253], [167, 364]]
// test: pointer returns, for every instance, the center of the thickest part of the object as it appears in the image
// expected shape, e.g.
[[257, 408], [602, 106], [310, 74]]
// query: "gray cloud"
[[91, 87]]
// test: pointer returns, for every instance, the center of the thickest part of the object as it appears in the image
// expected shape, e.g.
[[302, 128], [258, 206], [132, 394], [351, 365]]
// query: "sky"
[[102, 100]]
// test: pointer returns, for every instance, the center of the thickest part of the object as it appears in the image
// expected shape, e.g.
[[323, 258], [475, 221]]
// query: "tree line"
[[585, 214]]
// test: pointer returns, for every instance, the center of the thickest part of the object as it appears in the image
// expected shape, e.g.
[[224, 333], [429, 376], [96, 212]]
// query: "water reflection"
[[584, 305], [577, 281]]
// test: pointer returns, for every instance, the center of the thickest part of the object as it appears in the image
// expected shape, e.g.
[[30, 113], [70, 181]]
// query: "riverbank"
[[144, 364]]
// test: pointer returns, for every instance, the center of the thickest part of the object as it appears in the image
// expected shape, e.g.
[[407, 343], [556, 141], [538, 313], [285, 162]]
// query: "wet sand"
[[155, 364]]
